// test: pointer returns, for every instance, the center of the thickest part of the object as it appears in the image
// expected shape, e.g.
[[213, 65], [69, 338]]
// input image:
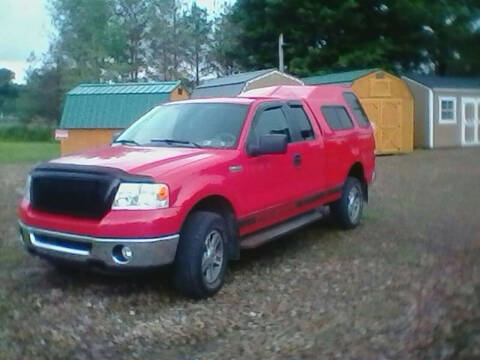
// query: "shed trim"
[[430, 109], [430, 113], [466, 90]]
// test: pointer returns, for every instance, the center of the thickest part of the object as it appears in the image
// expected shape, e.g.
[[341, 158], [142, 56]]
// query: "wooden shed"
[[234, 85], [387, 101], [94, 112]]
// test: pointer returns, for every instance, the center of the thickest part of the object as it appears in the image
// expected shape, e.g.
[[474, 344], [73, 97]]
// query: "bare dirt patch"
[[405, 284]]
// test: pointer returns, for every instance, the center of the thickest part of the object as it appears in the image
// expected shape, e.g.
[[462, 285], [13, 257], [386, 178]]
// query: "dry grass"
[[405, 284]]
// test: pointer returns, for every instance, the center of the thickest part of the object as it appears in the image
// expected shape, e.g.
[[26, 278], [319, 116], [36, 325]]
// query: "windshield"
[[188, 125]]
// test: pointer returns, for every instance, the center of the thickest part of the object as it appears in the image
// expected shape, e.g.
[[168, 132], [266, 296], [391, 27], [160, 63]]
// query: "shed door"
[[470, 121], [391, 129], [386, 114]]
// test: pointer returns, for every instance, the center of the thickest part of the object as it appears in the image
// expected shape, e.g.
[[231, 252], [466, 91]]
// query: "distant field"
[[24, 152]]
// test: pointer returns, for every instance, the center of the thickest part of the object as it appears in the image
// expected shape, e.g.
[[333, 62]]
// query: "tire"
[[202, 255], [348, 210]]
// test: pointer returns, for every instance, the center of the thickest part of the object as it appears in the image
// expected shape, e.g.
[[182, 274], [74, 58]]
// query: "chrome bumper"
[[144, 253]]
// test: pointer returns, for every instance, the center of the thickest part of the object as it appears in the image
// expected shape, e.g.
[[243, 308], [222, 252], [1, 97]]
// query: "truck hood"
[[140, 160]]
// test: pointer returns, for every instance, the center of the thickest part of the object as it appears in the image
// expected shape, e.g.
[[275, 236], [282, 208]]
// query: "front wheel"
[[201, 259], [349, 208]]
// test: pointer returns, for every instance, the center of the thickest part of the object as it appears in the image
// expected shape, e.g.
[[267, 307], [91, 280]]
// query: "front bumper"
[[99, 251]]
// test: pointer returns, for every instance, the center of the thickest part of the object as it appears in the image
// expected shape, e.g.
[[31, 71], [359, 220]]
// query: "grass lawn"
[[24, 152], [405, 284]]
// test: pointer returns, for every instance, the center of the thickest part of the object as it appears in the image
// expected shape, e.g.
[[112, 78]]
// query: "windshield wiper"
[[173, 141], [126, 141]]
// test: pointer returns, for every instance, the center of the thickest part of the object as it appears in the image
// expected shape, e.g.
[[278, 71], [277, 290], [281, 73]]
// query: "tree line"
[[148, 40]]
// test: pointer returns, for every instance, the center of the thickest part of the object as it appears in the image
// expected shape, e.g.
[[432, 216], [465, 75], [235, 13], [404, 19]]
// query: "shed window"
[[357, 109], [337, 117], [448, 110]]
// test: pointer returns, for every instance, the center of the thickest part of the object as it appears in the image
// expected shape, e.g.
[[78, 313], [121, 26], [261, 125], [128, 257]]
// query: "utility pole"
[[281, 65]]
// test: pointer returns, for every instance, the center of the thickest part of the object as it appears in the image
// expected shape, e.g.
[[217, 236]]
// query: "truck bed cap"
[[287, 92]]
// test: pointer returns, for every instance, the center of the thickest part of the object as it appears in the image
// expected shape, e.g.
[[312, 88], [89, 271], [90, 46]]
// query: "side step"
[[263, 236]]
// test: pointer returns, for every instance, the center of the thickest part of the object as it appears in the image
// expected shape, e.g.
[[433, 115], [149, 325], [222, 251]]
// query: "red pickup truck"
[[193, 182]]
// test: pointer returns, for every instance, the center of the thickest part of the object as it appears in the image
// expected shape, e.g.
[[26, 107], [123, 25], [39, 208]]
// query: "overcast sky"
[[26, 27]]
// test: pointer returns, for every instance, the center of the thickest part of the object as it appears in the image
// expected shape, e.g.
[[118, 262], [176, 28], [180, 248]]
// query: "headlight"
[[136, 196], [28, 186]]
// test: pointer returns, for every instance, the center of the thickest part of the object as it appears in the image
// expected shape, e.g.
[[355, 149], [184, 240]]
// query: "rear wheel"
[[201, 259], [349, 208]]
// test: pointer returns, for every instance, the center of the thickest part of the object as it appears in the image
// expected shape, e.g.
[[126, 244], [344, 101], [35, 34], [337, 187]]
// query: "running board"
[[263, 236]]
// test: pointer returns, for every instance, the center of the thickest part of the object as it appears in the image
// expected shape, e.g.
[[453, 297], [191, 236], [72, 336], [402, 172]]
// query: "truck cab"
[[192, 182]]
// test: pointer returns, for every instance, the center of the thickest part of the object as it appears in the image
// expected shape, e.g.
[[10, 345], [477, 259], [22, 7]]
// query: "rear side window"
[[337, 117], [302, 122], [357, 109], [271, 121]]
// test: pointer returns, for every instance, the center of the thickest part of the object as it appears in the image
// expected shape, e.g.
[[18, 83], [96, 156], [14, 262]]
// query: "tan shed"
[[94, 112], [387, 101], [447, 110]]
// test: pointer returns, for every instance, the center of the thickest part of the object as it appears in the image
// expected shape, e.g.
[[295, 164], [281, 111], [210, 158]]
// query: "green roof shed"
[[112, 106], [93, 112]]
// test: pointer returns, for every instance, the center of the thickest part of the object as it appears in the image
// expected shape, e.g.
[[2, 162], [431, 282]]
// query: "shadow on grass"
[[79, 280], [290, 245], [109, 284]]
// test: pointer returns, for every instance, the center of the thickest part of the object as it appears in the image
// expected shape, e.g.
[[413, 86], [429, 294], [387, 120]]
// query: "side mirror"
[[269, 144], [115, 136]]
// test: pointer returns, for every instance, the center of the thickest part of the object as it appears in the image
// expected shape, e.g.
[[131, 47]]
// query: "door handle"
[[297, 159]]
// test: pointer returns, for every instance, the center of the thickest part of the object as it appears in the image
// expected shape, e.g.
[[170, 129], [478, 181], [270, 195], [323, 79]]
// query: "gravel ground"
[[405, 284]]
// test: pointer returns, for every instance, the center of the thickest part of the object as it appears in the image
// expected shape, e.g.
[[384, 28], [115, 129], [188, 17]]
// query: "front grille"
[[72, 193]]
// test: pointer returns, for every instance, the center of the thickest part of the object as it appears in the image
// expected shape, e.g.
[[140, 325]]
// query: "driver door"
[[271, 178]]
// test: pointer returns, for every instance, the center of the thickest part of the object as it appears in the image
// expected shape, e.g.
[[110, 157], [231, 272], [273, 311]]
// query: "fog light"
[[122, 254], [127, 252]]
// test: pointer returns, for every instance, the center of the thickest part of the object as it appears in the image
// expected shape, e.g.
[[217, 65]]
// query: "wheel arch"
[[224, 207], [357, 171]]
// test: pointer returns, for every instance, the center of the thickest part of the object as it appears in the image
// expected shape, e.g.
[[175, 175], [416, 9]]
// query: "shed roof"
[[234, 79], [112, 106], [338, 78], [447, 82], [229, 85]]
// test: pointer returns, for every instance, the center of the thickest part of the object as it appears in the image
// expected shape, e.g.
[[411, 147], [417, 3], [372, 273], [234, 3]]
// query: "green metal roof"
[[112, 106], [337, 78]]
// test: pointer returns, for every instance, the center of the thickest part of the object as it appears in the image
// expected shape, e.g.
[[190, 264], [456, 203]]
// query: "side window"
[[271, 121], [345, 119], [337, 117], [330, 115], [302, 122], [357, 109]]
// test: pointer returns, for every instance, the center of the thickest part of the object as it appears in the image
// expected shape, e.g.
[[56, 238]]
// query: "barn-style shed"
[[94, 112], [387, 101], [234, 85]]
